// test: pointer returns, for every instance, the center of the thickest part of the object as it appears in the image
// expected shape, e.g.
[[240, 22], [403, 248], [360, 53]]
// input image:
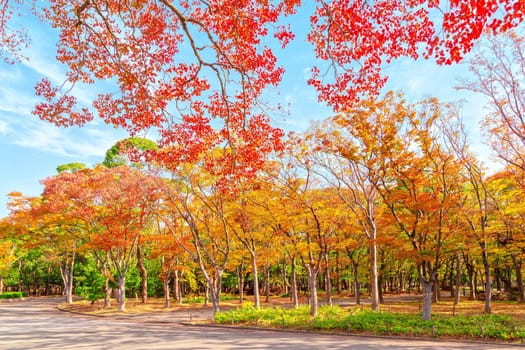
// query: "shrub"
[[11, 295], [502, 327]]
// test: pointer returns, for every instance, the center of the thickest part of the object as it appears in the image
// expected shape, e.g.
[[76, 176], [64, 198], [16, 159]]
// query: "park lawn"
[[466, 321], [395, 318]]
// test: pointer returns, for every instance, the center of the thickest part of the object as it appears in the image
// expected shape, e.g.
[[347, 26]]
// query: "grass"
[[400, 316], [11, 295], [357, 320]]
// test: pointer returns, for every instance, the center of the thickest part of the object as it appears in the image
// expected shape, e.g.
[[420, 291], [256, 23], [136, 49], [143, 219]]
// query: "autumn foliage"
[[384, 189], [195, 71]]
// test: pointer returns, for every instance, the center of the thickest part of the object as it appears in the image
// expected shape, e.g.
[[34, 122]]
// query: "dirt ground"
[[399, 303]]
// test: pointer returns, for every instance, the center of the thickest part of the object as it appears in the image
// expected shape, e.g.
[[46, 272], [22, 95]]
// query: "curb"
[[376, 336]]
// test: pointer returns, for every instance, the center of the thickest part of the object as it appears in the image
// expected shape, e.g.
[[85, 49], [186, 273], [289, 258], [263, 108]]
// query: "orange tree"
[[114, 206], [194, 70], [476, 204], [35, 223], [132, 152], [348, 159], [170, 251], [276, 210], [8, 249]]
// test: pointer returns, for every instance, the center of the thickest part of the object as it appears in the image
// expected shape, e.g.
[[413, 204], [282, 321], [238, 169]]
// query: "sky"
[[30, 149]]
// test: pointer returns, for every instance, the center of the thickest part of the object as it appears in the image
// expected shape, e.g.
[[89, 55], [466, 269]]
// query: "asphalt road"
[[37, 324]]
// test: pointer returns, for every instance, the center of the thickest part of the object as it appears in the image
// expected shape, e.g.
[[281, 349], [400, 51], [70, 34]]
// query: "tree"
[[198, 199], [311, 212], [71, 167], [124, 201], [7, 253], [195, 70], [348, 162], [128, 152], [507, 199], [477, 200], [421, 187], [394, 151], [133, 152], [357, 38], [112, 205], [498, 71], [248, 224]]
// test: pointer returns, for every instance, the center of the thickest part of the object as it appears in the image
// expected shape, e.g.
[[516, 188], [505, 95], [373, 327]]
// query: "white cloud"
[[16, 101], [4, 128], [53, 71], [75, 143]]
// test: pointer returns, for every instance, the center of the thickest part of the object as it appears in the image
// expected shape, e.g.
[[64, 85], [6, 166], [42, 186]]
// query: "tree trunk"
[[20, 276], [66, 271], [107, 294], [240, 283], [177, 290], [166, 286], [267, 283], [519, 277], [143, 275], [121, 293], [328, 281], [498, 277], [471, 272], [488, 284], [214, 288], [67, 279], [295, 296], [207, 293], [338, 274], [312, 286], [374, 277], [427, 298], [1, 285], [436, 291], [255, 273], [357, 286], [458, 280], [285, 278], [379, 288]]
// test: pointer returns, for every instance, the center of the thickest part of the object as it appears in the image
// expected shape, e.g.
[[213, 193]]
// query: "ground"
[[400, 303]]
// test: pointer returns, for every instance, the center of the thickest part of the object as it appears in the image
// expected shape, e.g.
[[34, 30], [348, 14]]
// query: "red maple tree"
[[194, 70]]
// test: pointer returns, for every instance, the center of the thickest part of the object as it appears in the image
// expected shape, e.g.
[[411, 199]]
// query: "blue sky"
[[31, 149]]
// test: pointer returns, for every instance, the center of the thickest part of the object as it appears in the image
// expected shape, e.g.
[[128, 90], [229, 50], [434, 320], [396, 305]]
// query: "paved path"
[[37, 324]]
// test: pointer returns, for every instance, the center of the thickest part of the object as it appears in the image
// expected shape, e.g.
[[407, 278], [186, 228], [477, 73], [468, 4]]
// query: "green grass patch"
[[11, 295], [200, 299], [356, 320]]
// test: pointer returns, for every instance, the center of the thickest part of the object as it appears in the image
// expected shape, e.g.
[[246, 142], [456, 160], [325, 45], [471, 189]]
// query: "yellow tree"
[[199, 198], [277, 210], [168, 245], [347, 158], [421, 188], [476, 204], [310, 223], [507, 220], [248, 220], [395, 151]]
